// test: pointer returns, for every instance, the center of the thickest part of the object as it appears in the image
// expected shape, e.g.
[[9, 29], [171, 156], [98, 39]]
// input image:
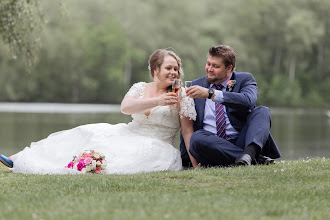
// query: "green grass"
[[287, 190]]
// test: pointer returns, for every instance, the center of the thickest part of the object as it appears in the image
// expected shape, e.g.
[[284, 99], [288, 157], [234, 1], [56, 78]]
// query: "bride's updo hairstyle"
[[157, 58]]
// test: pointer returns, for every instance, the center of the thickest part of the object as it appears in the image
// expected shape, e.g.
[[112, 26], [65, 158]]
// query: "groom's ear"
[[229, 69]]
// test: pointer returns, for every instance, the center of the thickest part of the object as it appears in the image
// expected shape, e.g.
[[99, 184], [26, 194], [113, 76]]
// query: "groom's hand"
[[197, 92]]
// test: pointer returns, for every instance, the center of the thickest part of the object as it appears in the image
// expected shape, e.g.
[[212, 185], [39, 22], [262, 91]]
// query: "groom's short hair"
[[227, 54]]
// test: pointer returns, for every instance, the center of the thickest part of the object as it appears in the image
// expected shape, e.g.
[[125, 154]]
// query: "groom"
[[229, 129]]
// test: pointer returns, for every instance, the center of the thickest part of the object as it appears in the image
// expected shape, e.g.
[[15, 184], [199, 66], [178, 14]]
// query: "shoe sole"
[[268, 162], [241, 164], [5, 163]]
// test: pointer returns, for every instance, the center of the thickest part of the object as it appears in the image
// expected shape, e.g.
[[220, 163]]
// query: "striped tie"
[[220, 116]]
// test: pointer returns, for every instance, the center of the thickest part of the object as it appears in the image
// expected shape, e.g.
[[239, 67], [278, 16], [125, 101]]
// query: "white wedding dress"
[[143, 145]]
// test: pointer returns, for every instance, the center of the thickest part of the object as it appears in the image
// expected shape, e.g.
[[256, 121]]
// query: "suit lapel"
[[227, 90], [231, 78]]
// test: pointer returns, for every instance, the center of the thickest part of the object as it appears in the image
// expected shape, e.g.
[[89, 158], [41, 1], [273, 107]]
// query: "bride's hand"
[[169, 98]]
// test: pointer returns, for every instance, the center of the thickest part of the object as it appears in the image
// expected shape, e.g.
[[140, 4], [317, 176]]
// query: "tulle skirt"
[[125, 151]]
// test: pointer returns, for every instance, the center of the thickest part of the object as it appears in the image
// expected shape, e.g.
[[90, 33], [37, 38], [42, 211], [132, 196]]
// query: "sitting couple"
[[219, 122]]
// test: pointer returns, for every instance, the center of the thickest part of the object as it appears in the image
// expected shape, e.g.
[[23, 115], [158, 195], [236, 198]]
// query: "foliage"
[[105, 51], [286, 190], [94, 51], [20, 24]]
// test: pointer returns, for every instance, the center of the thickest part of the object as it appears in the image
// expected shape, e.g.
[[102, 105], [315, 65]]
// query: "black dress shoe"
[[263, 160], [243, 160]]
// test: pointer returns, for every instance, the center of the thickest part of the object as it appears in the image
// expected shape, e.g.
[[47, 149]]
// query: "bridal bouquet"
[[88, 161]]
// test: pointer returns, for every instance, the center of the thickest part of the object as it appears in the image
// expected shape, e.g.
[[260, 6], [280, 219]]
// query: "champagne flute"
[[176, 85], [188, 84]]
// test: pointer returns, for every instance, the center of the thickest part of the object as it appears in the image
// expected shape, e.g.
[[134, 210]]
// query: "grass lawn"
[[287, 190]]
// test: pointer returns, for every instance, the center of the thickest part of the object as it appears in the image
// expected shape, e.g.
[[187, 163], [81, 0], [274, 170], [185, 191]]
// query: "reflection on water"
[[299, 134], [18, 130]]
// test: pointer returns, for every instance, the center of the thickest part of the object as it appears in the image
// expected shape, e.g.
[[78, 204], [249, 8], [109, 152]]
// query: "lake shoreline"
[[25, 107], [299, 133]]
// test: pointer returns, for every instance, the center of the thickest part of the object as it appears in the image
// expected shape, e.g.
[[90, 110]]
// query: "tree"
[[303, 31], [20, 23]]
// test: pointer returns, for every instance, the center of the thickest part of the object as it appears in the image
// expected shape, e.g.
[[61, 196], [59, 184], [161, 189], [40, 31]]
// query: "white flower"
[[98, 163], [93, 165], [83, 170], [88, 168]]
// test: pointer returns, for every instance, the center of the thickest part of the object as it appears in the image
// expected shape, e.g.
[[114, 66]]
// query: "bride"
[[143, 145]]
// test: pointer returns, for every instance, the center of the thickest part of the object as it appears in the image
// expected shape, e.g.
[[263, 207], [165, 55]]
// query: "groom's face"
[[216, 70]]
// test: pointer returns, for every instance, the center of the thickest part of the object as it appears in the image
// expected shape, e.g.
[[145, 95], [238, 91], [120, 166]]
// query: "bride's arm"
[[131, 105], [187, 130]]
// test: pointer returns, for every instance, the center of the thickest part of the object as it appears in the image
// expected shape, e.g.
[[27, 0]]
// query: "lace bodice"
[[163, 122]]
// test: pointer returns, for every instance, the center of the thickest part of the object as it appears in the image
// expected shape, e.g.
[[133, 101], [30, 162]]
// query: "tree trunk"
[[292, 70], [320, 59], [277, 61], [75, 78], [128, 72]]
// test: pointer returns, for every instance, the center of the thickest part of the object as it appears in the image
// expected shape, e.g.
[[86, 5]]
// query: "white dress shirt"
[[209, 114]]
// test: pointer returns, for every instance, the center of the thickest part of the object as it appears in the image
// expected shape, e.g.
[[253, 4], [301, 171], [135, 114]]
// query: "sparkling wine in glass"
[[176, 85]]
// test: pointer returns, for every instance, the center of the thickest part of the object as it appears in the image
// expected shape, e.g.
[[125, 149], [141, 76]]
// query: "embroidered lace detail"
[[163, 121], [187, 106], [137, 90]]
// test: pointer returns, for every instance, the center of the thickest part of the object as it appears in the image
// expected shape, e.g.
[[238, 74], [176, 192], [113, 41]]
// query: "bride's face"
[[168, 71]]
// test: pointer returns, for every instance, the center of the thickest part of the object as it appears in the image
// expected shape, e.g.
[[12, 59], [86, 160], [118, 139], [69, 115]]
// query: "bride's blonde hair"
[[157, 58]]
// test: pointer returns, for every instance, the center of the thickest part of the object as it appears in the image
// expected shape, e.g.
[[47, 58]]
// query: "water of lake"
[[298, 133]]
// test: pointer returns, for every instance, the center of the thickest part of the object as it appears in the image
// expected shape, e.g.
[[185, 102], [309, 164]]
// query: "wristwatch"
[[211, 92]]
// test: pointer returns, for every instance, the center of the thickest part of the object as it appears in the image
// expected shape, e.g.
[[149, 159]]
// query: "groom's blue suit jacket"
[[239, 102]]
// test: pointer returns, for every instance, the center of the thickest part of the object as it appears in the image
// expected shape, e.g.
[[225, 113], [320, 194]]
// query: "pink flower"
[[70, 165], [98, 169], [90, 155], [88, 160], [230, 84], [84, 156], [81, 165]]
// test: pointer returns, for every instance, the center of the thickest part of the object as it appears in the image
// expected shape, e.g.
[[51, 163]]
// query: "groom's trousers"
[[211, 150]]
